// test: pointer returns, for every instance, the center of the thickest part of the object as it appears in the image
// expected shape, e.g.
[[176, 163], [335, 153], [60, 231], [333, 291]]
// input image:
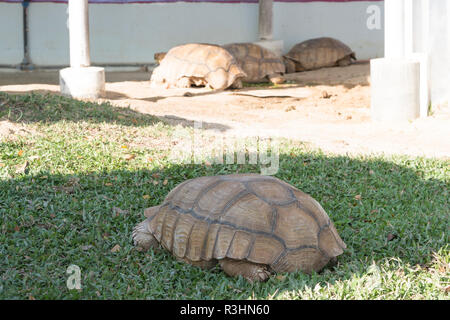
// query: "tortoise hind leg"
[[237, 84], [142, 237], [250, 271]]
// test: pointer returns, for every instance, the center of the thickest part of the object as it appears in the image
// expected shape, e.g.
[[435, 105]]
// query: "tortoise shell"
[[257, 62], [199, 64], [319, 53], [249, 217]]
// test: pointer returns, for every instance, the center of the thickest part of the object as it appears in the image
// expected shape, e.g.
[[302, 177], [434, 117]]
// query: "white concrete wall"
[[296, 22], [132, 33], [439, 50], [11, 34]]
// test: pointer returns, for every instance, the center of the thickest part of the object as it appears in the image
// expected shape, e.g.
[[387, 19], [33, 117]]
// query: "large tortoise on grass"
[[197, 64], [250, 224], [260, 64], [318, 53]]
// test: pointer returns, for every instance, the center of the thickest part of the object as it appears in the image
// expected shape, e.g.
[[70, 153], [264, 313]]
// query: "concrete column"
[[265, 26], [424, 76], [417, 46], [421, 25], [80, 80], [408, 27], [439, 51], [79, 33], [394, 29], [395, 89], [399, 85]]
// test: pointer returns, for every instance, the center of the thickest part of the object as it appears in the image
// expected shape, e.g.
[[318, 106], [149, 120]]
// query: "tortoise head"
[[159, 56]]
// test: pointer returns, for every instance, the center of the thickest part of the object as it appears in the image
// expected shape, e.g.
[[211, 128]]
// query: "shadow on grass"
[[51, 108], [381, 210], [51, 77]]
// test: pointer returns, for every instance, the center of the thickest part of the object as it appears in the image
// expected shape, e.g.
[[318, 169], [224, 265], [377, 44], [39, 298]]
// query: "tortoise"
[[318, 53], [252, 225], [197, 64], [260, 64], [158, 56]]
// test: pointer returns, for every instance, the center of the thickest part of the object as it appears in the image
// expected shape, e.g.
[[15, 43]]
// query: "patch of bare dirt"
[[12, 131], [328, 108]]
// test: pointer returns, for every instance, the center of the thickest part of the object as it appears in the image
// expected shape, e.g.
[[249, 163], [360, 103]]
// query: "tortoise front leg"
[[276, 78], [344, 62], [142, 237], [290, 65], [250, 271], [184, 82]]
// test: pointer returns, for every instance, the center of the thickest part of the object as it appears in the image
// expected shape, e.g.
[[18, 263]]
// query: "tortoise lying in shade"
[[318, 53], [250, 224], [258, 63], [197, 64]]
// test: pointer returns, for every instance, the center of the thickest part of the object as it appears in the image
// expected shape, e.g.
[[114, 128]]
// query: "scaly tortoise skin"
[[260, 64], [250, 224], [197, 64], [318, 53]]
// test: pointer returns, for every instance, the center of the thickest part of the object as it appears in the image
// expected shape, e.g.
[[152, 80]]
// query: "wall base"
[[276, 46]]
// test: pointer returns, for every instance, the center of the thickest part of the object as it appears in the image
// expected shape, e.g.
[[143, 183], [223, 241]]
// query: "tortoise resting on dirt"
[[250, 224], [197, 64], [158, 56], [260, 64], [318, 53]]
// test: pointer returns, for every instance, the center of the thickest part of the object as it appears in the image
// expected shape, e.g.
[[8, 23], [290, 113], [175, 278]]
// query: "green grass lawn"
[[73, 185]]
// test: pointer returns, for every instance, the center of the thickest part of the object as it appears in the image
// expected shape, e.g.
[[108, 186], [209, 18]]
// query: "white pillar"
[[439, 50], [418, 48], [79, 33], [399, 80], [421, 25], [80, 80], [395, 94], [408, 20], [394, 29], [265, 28]]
